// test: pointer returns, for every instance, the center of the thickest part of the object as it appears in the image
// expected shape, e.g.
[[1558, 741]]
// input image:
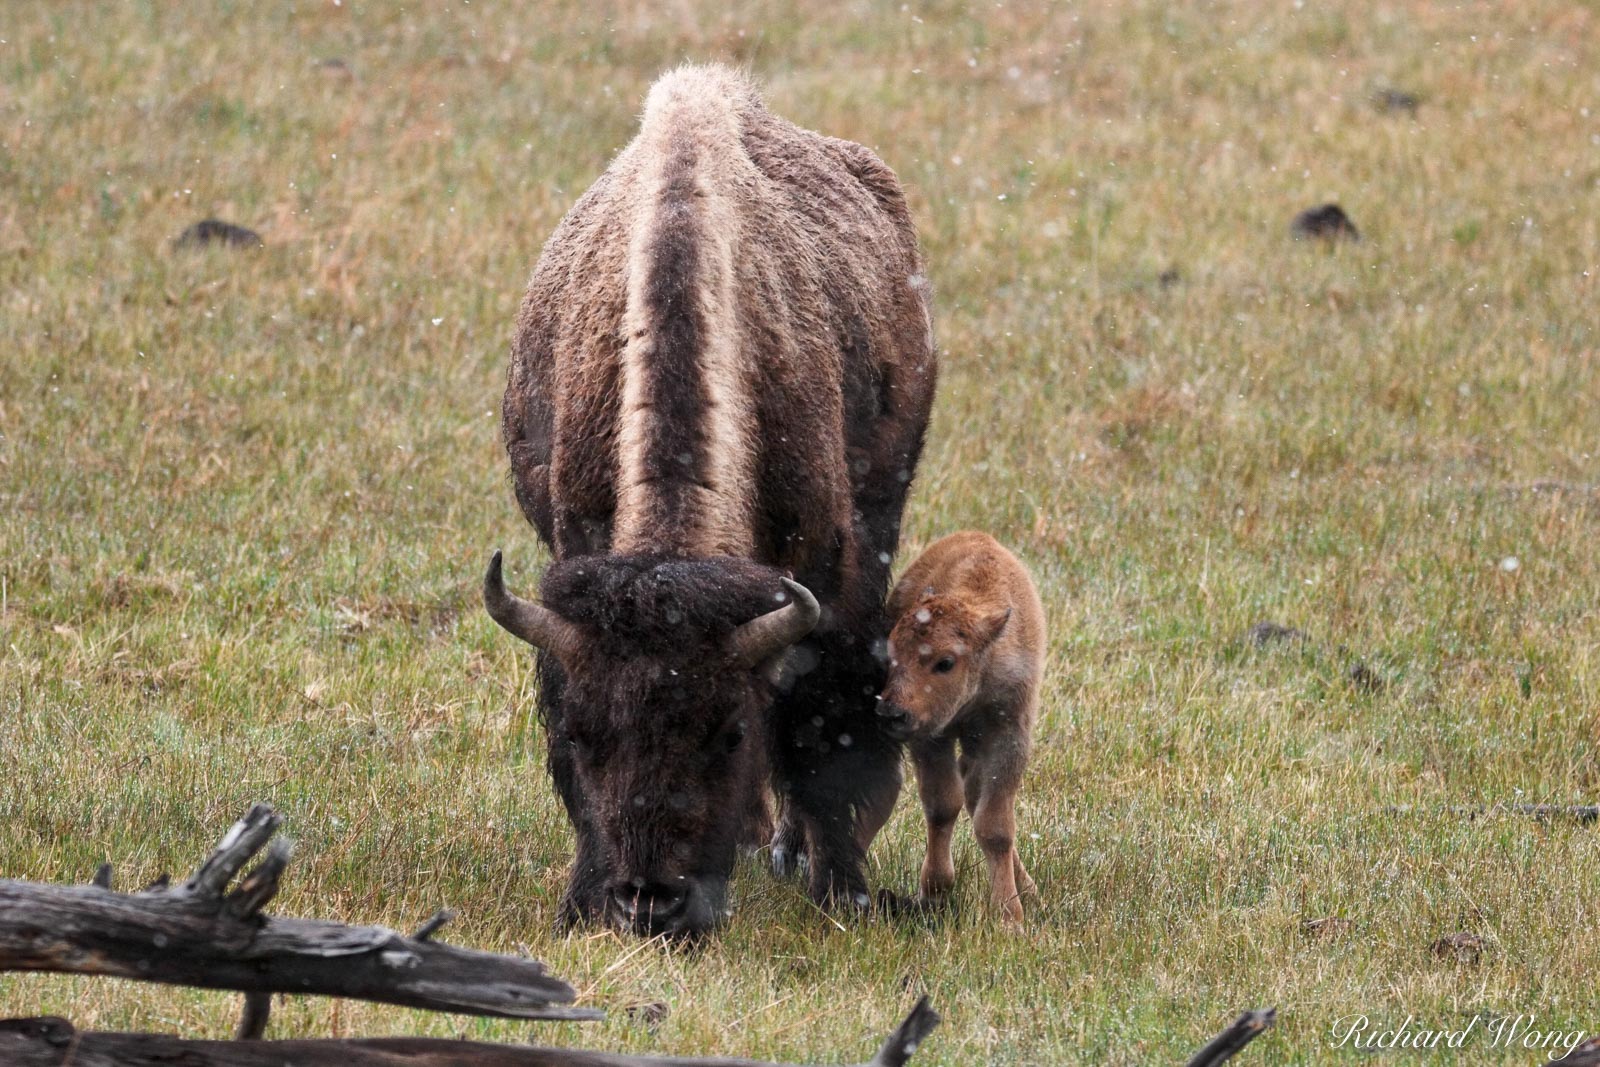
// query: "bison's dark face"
[[670, 756], [660, 717]]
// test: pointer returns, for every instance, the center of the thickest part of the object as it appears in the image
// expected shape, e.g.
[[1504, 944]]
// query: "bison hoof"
[[788, 862], [891, 903]]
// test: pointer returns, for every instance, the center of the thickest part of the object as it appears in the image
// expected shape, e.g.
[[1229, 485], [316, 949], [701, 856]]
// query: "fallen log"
[[197, 934], [53, 1042], [1245, 1029]]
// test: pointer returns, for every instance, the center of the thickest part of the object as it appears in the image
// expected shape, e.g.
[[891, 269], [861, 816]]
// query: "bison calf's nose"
[[897, 721]]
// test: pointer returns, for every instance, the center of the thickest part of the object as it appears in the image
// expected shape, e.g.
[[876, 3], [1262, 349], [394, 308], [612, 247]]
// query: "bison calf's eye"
[[734, 736], [945, 666]]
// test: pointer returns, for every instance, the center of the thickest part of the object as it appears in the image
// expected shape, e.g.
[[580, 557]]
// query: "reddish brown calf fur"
[[965, 658]]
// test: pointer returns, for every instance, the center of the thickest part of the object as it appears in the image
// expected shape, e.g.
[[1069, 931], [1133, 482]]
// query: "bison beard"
[[722, 377]]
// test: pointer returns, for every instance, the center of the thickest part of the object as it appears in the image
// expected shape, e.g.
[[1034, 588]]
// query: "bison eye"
[[945, 666], [735, 736]]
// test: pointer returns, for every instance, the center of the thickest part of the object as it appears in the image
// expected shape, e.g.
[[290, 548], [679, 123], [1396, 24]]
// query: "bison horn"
[[534, 623], [765, 636]]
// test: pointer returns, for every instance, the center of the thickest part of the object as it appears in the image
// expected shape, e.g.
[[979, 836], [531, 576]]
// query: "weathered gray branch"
[[253, 1019], [434, 924], [899, 1046], [244, 839], [1245, 1029], [194, 935], [52, 1042]]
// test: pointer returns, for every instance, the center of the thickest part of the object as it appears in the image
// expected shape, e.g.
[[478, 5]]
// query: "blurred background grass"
[[245, 495]]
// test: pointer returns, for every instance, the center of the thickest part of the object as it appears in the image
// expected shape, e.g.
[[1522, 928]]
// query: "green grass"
[[245, 497]]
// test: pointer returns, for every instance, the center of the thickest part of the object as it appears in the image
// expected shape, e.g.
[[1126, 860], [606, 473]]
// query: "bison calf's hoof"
[[936, 884], [1010, 909]]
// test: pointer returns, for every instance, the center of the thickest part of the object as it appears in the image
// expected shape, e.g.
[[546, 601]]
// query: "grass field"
[[246, 496]]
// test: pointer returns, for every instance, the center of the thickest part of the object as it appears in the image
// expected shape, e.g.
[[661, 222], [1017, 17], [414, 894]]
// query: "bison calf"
[[965, 657]]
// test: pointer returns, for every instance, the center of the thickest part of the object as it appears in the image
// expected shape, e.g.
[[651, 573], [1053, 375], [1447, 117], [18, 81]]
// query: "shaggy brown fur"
[[725, 354], [965, 657]]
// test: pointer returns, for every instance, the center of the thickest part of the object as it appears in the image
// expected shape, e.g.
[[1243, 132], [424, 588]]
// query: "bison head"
[[937, 654], [659, 715]]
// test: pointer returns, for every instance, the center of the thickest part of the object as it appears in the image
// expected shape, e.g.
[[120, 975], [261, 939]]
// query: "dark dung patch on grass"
[[1266, 633], [1365, 678], [217, 232], [1326, 222], [1392, 101]]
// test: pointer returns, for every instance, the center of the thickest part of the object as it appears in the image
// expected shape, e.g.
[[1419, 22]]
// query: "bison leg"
[[758, 830], [996, 826], [940, 786], [788, 844], [1024, 880], [836, 858], [994, 821], [841, 804], [838, 772], [789, 840], [877, 806]]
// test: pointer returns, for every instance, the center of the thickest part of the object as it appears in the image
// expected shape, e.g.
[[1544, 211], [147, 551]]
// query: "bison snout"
[[658, 900], [680, 910], [898, 722]]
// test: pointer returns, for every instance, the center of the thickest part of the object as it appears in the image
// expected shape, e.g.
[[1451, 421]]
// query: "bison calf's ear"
[[534, 623], [990, 627]]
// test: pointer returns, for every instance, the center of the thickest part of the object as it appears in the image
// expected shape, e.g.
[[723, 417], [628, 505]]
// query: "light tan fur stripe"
[[690, 148]]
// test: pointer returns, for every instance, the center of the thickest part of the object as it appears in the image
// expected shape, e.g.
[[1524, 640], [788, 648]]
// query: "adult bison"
[[720, 381]]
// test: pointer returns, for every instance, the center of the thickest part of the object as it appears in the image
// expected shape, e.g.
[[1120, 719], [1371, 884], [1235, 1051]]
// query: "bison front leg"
[[940, 787], [838, 771], [835, 858], [788, 844], [1024, 879], [840, 806]]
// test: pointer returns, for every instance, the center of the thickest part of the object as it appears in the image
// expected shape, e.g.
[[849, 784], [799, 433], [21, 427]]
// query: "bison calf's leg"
[[939, 784], [1024, 880], [995, 824]]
